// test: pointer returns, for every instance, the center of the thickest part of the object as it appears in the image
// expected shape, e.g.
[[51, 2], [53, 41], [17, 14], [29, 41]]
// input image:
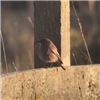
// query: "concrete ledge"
[[76, 83]]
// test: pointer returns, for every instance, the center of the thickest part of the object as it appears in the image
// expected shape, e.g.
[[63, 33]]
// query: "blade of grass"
[[1, 80], [4, 51], [74, 58], [31, 60], [81, 51], [14, 66], [84, 58], [1, 67], [31, 22], [25, 65], [80, 26]]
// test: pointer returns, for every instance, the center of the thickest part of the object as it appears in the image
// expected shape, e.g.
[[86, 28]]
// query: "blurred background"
[[89, 15], [18, 33]]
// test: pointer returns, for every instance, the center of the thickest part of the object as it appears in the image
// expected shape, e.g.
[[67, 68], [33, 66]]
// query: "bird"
[[48, 52]]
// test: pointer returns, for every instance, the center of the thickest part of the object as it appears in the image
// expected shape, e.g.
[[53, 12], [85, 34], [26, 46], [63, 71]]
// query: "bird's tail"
[[61, 65]]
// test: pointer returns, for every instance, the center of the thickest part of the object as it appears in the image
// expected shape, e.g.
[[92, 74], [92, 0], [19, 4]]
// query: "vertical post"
[[51, 20], [65, 32]]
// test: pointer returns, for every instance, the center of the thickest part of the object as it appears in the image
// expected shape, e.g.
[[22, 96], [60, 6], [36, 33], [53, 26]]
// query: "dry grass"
[[30, 55], [31, 60], [31, 22], [80, 26], [14, 66], [4, 51], [18, 47], [25, 65], [74, 58], [81, 51], [1, 67]]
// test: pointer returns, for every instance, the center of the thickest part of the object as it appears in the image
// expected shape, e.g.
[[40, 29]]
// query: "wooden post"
[[65, 32], [51, 20]]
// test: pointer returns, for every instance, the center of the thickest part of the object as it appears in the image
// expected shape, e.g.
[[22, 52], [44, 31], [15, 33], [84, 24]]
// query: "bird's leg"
[[49, 65]]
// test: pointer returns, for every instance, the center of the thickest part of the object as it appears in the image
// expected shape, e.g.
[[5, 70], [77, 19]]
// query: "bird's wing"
[[55, 51]]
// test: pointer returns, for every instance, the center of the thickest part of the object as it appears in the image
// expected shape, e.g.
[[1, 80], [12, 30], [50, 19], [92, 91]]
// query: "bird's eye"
[[45, 41]]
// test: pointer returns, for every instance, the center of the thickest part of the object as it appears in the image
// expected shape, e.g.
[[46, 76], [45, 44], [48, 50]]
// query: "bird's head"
[[45, 41]]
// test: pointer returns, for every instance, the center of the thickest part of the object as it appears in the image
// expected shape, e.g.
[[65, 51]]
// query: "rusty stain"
[[25, 90], [40, 92], [55, 74], [37, 98], [90, 83], [98, 97], [43, 89], [40, 83], [50, 70], [17, 75], [24, 78], [42, 77]]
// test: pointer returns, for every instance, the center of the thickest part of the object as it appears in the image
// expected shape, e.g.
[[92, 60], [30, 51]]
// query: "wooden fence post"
[[65, 32], [51, 20]]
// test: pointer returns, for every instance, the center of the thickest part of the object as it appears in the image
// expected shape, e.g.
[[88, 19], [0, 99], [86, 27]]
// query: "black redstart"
[[48, 52]]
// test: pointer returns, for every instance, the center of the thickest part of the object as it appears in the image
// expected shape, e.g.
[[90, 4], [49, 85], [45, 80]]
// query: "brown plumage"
[[48, 52]]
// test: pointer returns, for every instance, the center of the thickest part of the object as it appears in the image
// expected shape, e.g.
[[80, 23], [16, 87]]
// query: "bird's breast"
[[46, 54]]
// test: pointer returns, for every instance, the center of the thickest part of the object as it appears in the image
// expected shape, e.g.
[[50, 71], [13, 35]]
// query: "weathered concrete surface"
[[76, 83]]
